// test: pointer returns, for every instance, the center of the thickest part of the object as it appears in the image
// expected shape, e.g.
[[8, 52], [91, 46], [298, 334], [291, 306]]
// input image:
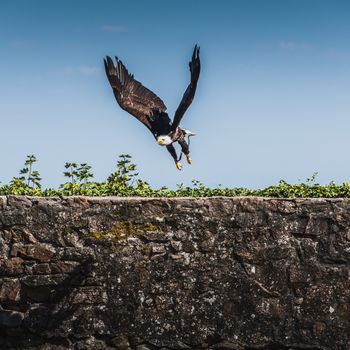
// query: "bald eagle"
[[149, 109]]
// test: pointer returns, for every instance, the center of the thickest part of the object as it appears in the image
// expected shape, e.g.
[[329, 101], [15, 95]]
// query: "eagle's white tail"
[[189, 133]]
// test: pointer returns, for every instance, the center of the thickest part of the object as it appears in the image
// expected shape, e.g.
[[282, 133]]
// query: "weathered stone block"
[[64, 266], [9, 318], [41, 252], [316, 226], [11, 267], [44, 280], [91, 344], [10, 289], [41, 269], [174, 273], [38, 294], [5, 239], [89, 295]]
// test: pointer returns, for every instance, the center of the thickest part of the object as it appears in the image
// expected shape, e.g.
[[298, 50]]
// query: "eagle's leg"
[[186, 150], [172, 151]]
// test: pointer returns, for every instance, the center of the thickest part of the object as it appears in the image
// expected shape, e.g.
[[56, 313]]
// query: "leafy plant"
[[83, 173], [78, 176], [71, 171], [28, 181], [77, 173], [29, 176], [124, 181]]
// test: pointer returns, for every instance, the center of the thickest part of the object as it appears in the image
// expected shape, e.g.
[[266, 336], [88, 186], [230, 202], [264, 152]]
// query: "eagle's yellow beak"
[[160, 142]]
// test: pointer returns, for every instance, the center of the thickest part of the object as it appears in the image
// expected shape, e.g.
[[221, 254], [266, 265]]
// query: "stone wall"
[[179, 273]]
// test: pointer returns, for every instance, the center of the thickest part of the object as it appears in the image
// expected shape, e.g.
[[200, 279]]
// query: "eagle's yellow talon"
[[178, 165], [189, 159]]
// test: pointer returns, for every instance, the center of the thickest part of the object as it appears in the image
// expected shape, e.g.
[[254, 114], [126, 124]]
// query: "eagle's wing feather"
[[130, 94], [195, 67]]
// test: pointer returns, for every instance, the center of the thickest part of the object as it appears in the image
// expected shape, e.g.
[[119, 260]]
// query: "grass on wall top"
[[124, 181]]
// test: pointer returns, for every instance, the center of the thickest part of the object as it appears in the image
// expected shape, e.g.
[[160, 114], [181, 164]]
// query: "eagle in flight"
[[149, 109]]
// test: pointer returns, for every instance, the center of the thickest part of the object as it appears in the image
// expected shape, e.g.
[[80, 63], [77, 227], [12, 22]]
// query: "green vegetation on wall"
[[124, 182]]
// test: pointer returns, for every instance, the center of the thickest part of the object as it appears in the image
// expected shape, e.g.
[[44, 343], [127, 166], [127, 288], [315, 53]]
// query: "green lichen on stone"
[[125, 229], [149, 227]]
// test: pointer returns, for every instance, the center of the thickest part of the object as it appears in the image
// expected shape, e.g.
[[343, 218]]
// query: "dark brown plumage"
[[149, 109]]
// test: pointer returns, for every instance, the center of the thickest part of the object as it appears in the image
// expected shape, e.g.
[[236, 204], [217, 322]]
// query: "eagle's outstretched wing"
[[195, 67], [131, 95]]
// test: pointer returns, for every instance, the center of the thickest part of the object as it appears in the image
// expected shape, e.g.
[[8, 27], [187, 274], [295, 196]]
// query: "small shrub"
[[124, 181]]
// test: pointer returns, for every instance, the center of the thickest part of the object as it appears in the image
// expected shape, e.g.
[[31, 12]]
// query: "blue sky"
[[272, 100]]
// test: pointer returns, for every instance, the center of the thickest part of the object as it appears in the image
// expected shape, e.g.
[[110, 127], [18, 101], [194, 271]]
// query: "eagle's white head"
[[164, 140]]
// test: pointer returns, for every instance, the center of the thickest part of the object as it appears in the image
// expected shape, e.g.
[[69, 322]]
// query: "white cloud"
[[68, 70], [85, 70], [88, 70], [113, 28], [293, 45]]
